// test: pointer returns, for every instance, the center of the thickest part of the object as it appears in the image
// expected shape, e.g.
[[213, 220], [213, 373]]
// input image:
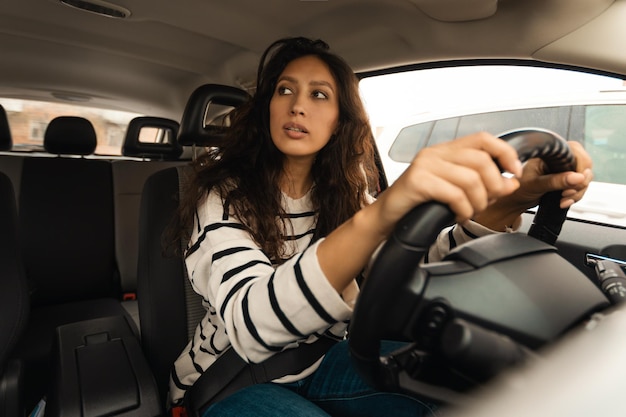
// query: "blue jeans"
[[334, 389]]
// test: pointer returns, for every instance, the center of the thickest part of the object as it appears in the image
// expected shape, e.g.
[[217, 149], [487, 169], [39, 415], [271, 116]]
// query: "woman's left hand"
[[534, 183]]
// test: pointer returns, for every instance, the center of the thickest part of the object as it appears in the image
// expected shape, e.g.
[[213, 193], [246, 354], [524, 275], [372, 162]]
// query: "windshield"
[[411, 110]]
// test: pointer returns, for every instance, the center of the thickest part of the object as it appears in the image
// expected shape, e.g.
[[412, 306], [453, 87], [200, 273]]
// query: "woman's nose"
[[297, 106]]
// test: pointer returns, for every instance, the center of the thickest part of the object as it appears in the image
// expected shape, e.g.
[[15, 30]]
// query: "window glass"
[[156, 135], [552, 118], [444, 130], [410, 140], [414, 109], [28, 120], [605, 140]]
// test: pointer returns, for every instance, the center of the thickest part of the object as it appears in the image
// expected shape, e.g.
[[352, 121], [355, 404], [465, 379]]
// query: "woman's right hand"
[[461, 173]]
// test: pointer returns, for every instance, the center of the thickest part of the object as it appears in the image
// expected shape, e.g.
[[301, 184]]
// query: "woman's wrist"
[[502, 223]]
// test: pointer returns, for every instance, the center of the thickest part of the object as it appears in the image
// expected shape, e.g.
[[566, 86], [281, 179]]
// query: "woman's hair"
[[246, 169]]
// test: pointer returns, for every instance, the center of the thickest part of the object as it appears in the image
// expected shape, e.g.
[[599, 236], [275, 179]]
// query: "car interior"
[[94, 308]]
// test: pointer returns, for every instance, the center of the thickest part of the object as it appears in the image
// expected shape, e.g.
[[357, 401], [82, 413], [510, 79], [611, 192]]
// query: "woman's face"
[[304, 110]]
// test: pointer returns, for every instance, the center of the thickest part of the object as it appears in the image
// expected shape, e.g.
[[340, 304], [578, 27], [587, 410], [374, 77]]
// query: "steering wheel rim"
[[374, 319]]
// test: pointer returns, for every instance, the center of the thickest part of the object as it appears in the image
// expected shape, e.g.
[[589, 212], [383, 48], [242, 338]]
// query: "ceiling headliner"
[[156, 57]]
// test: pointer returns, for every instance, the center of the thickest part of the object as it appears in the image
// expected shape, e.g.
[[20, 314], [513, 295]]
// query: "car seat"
[[14, 301], [6, 141], [169, 309], [67, 239], [146, 155]]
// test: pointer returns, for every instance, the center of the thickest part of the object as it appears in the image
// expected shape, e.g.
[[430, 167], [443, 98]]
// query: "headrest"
[[70, 135], [6, 142], [193, 127], [162, 143]]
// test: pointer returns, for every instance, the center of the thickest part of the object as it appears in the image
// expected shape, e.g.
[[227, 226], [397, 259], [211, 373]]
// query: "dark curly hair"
[[246, 169]]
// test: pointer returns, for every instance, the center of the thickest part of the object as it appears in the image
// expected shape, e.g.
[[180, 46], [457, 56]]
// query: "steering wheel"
[[487, 306]]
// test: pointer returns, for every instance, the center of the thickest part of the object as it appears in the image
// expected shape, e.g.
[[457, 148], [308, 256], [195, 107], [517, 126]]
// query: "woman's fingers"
[[583, 159], [463, 174], [496, 148], [535, 182], [578, 183]]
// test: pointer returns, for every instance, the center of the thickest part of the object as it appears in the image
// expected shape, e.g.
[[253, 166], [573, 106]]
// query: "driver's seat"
[[169, 309]]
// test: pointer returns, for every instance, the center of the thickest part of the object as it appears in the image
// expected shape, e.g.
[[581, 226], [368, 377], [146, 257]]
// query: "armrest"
[[100, 370]]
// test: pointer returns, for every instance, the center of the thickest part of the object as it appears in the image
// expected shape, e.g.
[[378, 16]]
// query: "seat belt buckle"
[[178, 411], [129, 296]]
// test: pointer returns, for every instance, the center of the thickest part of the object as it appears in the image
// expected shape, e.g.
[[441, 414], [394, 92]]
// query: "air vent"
[[101, 8]]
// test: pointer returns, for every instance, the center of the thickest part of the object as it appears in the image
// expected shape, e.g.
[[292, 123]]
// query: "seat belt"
[[230, 373]]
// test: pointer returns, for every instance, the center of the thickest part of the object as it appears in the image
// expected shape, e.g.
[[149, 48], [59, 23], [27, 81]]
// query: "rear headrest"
[[70, 135], [193, 130], [162, 143], [6, 142]]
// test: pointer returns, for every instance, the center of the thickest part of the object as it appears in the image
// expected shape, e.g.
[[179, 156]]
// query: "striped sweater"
[[259, 309]]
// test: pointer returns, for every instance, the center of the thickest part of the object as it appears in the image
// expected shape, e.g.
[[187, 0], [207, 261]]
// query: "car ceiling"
[[152, 60]]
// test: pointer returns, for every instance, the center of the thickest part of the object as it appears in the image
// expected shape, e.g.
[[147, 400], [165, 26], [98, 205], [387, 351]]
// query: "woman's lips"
[[295, 131]]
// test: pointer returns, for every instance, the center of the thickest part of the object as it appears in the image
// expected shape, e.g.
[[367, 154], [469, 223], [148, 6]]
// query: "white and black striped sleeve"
[[453, 236], [262, 309]]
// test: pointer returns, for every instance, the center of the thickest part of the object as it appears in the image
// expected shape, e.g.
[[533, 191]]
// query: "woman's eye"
[[320, 95], [283, 91]]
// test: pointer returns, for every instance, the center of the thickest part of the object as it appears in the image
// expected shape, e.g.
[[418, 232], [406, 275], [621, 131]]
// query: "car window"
[[410, 140], [587, 108], [553, 118], [28, 120], [600, 128], [605, 140]]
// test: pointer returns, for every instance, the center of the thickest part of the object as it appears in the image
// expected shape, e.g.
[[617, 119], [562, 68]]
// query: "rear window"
[[28, 121]]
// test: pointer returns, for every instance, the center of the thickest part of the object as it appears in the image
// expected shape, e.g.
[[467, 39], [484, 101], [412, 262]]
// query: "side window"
[[409, 141], [605, 140]]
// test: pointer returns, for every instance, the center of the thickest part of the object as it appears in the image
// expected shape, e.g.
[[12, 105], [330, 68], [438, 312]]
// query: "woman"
[[283, 221]]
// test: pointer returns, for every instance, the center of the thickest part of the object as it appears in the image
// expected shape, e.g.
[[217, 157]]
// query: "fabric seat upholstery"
[[66, 212], [10, 165], [169, 309], [6, 140], [129, 176], [67, 223], [160, 279], [14, 301]]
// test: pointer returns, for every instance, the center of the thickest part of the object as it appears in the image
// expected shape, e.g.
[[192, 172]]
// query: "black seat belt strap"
[[230, 373]]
